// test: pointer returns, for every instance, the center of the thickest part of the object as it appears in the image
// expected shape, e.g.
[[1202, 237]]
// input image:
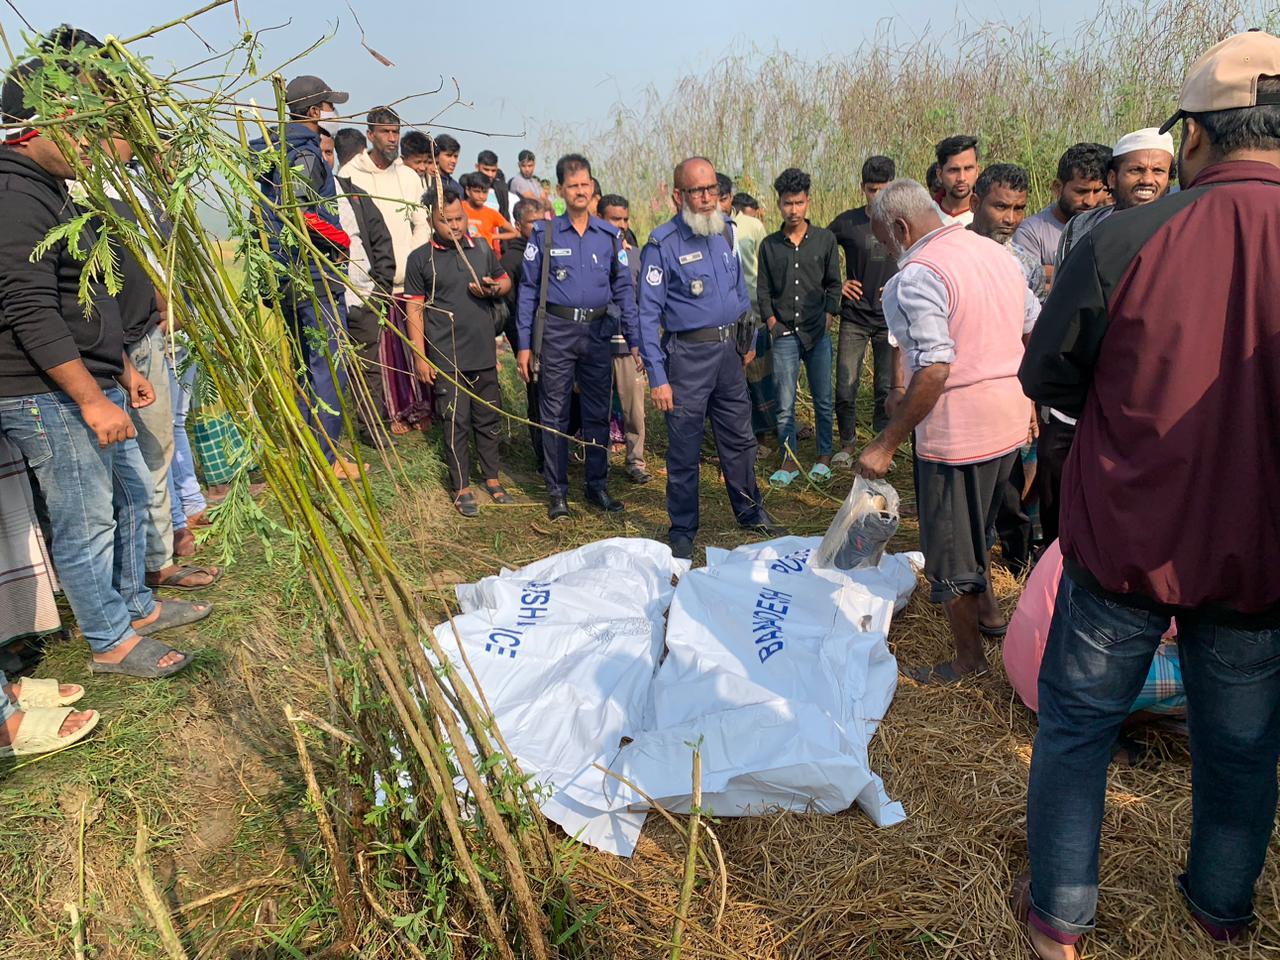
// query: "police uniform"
[[692, 287], [587, 273]]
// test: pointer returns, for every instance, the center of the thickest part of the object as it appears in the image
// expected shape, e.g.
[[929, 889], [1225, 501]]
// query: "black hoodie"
[[42, 323]]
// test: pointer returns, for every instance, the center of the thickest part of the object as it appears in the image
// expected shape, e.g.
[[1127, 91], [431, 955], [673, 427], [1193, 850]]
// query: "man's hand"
[[893, 399], [875, 460], [639, 360], [424, 371], [771, 323], [662, 398], [524, 365], [851, 290], [749, 358], [1033, 433], [108, 422], [141, 393]]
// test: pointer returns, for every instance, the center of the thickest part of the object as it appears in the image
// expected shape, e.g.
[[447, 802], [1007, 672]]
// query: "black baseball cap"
[[306, 91]]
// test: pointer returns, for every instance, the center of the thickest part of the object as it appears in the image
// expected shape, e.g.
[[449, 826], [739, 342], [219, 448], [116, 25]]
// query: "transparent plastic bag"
[[862, 527]]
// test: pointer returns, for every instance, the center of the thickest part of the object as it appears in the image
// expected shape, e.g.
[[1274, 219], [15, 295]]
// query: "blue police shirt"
[[587, 272], [687, 282]]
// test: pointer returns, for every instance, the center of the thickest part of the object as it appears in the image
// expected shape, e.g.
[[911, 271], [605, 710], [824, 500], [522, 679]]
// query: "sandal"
[[466, 505], [177, 613], [142, 659], [173, 580], [44, 693], [498, 494], [993, 633], [38, 731], [842, 459], [941, 675], [819, 473], [783, 478]]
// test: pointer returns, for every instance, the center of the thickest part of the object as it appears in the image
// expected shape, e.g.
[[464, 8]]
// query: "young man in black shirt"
[[526, 214], [867, 268], [798, 289], [450, 284]]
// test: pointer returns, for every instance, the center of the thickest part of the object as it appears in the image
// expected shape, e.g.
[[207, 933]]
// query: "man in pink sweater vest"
[[957, 310]]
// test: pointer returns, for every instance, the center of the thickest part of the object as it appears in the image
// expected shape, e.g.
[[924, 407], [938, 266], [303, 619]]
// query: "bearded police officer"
[[691, 286], [587, 271]]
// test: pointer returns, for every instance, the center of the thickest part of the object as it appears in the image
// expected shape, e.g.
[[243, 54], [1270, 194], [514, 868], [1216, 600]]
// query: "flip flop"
[[142, 659], [173, 581], [38, 732], [178, 613], [498, 494], [466, 505], [842, 459], [820, 473], [783, 478], [44, 693], [941, 675]]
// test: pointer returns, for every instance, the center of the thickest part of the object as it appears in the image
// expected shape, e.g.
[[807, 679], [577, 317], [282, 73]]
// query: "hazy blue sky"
[[603, 52]]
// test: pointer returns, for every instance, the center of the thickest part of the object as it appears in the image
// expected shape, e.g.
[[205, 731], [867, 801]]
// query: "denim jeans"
[[154, 425], [98, 501], [7, 707], [787, 356], [1096, 659], [186, 498], [850, 351]]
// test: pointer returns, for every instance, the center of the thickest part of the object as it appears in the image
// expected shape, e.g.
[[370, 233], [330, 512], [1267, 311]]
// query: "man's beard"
[[703, 224]]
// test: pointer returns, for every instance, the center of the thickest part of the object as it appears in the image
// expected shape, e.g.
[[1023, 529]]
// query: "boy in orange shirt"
[[484, 223]]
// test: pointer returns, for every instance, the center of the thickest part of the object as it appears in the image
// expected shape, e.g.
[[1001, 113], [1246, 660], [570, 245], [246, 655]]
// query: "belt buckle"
[[726, 332], [579, 315]]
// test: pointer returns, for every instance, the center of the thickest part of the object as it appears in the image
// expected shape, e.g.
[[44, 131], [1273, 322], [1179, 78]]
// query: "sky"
[[599, 54]]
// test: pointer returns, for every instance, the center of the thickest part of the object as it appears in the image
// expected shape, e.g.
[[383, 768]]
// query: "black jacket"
[[42, 324], [139, 307], [373, 234]]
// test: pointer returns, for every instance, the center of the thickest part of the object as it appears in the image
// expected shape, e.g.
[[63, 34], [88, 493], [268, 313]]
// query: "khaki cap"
[[1226, 77]]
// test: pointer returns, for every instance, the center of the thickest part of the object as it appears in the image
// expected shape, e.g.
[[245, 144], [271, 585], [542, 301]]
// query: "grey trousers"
[[154, 424]]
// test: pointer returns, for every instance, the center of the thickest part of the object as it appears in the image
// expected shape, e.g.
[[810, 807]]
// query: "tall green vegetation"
[[1024, 93]]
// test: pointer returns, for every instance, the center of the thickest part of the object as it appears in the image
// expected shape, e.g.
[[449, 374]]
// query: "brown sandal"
[[173, 580]]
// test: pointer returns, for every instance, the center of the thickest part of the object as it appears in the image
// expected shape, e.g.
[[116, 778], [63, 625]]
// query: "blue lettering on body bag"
[[771, 609], [535, 602]]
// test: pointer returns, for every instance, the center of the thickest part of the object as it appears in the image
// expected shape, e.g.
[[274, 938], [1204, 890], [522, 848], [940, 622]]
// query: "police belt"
[[576, 314], [708, 334]]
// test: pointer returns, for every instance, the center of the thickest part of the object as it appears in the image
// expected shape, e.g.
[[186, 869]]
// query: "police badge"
[[561, 273], [696, 287]]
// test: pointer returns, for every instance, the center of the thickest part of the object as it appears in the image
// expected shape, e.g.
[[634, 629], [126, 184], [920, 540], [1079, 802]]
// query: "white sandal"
[[44, 692], [842, 459], [38, 732]]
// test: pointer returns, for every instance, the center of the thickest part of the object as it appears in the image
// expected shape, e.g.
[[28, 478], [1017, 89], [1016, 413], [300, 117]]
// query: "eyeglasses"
[[711, 191]]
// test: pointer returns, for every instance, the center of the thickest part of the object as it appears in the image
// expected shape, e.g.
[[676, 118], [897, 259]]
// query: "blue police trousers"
[[576, 353], [323, 380], [707, 380]]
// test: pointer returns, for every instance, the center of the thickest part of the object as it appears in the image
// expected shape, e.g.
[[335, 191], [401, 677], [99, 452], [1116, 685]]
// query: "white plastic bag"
[[862, 528]]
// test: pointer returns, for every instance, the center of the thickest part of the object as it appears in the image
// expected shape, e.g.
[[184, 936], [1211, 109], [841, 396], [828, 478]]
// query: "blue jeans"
[[787, 355], [314, 325], [7, 707], [184, 489], [1096, 659], [98, 500]]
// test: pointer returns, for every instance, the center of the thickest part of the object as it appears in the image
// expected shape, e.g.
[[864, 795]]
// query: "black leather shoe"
[[601, 499], [682, 548], [558, 509], [767, 525]]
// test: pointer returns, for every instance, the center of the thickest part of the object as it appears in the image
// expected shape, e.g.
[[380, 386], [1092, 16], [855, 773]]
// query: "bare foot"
[[1047, 949], [75, 720], [121, 650], [349, 469], [399, 428]]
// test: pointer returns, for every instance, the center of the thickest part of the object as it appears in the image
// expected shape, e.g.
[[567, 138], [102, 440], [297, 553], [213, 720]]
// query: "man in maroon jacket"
[[1169, 502]]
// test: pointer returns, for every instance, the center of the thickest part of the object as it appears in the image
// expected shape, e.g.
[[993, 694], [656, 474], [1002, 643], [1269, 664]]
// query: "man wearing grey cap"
[[315, 311], [1138, 173], [1162, 335]]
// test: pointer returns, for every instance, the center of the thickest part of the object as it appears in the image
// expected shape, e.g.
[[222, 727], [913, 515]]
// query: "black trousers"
[[462, 417], [1013, 526], [1051, 455], [366, 332]]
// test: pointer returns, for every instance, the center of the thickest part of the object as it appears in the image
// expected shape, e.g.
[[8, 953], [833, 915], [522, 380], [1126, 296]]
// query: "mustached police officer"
[[691, 286], [587, 271]]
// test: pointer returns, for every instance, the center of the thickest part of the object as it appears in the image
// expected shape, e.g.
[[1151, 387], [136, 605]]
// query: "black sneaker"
[[558, 509], [767, 525], [682, 548]]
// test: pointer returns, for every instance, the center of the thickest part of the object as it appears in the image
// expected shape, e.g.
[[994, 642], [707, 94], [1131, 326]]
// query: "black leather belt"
[[576, 314], [708, 334]]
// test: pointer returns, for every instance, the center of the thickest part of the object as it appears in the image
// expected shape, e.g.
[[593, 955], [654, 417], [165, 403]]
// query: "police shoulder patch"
[[622, 257], [653, 277], [530, 252]]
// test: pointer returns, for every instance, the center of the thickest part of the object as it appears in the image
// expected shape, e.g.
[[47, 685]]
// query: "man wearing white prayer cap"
[[1140, 170]]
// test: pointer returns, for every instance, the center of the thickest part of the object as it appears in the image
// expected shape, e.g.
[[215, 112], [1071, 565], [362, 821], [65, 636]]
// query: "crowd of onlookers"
[[1084, 385]]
